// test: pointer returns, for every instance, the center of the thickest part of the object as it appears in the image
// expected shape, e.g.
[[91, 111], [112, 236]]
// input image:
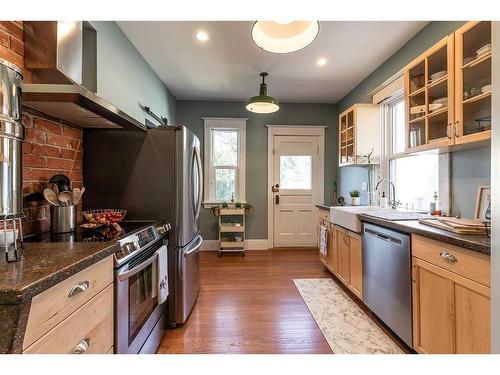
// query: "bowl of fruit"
[[104, 216]]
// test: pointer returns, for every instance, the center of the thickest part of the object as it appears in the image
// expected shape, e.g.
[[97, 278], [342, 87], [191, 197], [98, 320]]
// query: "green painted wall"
[[469, 168], [190, 113], [125, 79]]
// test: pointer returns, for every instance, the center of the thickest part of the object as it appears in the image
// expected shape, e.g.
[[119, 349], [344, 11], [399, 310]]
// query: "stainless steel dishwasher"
[[387, 278]]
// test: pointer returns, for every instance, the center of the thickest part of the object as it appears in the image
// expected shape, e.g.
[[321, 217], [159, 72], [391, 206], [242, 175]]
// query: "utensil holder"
[[63, 219]]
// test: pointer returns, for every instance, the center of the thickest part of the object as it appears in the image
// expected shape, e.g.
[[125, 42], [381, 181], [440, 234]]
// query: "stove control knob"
[[128, 247], [162, 229]]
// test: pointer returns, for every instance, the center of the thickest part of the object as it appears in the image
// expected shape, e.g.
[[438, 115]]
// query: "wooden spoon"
[[76, 196], [80, 196], [65, 197], [51, 196]]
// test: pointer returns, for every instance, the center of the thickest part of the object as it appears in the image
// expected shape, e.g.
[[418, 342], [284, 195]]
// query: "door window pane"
[[295, 172], [398, 126], [225, 148], [225, 184]]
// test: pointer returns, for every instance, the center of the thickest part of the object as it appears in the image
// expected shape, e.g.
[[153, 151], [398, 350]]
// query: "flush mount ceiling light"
[[263, 103], [284, 37], [202, 36]]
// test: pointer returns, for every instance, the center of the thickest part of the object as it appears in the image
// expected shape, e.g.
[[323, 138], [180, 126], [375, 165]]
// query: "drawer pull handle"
[[78, 288], [82, 347], [448, 257]]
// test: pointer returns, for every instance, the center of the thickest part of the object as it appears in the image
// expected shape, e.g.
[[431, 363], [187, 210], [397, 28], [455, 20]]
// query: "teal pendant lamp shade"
[[263, 103]]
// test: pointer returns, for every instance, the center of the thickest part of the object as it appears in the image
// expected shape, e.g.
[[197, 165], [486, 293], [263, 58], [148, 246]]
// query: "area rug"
[[347, 328]]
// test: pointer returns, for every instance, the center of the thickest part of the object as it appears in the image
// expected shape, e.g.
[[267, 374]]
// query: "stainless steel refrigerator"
[[154, 175]]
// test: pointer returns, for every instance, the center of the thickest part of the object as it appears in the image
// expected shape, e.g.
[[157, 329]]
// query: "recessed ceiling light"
[[202, 36], [321, 61]]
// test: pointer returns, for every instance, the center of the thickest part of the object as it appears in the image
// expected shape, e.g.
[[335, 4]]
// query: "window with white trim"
[[224, 160], [417, 177]]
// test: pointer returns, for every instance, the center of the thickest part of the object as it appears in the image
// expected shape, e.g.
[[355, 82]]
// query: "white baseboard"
[[213, 245]]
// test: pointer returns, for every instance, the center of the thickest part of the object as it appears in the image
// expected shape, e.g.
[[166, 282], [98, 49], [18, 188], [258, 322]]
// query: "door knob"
[[275, 188]]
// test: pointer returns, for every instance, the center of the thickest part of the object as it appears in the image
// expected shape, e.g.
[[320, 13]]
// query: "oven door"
[[136, 310]]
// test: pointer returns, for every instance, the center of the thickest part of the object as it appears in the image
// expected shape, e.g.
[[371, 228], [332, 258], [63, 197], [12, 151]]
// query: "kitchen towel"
[[323, 233], [162, 274]]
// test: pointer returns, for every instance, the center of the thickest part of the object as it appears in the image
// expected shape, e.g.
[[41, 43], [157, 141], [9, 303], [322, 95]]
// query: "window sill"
[[215, 204]]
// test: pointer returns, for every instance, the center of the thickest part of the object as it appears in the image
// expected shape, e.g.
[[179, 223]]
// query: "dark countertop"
[[44, 264], [475, 242], [324, 206]]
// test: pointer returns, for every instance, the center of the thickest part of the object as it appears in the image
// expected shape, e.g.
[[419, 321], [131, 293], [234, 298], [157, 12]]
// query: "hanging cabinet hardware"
[[82, 346]]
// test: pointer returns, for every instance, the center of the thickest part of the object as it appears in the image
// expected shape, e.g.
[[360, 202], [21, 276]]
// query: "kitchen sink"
[[348, 216]]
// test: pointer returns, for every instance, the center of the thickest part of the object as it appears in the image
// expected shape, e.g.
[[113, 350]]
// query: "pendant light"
[[284, 37], [263, 103]]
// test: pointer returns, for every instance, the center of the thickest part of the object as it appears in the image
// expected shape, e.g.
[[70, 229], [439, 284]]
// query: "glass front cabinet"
[[448, 91]]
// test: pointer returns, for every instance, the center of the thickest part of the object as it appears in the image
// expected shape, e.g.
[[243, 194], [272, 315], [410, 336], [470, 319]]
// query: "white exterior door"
[[295, 190]]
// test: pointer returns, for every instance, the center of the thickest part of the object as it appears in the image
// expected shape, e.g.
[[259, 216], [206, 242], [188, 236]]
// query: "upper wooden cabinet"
[[359, 134], [473, 82], [447, 97]]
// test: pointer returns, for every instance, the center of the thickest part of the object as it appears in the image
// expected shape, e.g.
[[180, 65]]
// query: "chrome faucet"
[[393, 203]]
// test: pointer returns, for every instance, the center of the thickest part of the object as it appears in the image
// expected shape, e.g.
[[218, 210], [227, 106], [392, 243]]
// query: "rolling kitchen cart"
[[231, 230]]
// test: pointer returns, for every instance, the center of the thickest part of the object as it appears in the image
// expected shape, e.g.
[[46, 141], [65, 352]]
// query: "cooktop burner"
[[102, 234]]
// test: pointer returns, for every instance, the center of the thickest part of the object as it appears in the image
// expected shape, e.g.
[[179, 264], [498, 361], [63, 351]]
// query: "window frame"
[[388, 155], [228, 124]]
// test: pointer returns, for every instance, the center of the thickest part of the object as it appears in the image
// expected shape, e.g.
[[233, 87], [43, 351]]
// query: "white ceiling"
[[226, 67]]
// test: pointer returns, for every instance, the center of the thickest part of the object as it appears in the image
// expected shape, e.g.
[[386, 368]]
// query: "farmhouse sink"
[[348, 216]]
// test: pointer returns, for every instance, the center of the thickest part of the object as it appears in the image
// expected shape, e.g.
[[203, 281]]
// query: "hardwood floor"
[[250, 305]]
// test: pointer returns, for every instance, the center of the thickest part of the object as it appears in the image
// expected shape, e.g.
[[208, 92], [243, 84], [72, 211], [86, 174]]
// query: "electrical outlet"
[[363, 186]]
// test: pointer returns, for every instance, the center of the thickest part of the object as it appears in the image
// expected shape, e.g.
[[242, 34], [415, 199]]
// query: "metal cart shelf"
[[231, 230]]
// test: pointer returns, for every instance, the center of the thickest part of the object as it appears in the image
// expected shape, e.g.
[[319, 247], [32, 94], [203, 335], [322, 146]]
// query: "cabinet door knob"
[[79, 288], [82, 346], [448, 257]]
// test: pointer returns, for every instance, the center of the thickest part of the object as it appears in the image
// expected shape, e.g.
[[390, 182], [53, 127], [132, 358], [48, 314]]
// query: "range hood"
[[61, 59]]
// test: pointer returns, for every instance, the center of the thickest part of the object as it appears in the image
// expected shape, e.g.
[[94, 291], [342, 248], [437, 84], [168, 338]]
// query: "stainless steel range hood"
[[61, 58]]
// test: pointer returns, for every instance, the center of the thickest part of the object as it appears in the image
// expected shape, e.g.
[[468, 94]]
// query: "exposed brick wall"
[[49, 147], [12, 42]]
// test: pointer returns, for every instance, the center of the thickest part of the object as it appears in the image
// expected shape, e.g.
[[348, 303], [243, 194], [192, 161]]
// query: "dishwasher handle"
[[382, 236]]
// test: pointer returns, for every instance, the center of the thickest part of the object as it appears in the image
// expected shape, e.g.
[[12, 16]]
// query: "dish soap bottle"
[[384, 203]]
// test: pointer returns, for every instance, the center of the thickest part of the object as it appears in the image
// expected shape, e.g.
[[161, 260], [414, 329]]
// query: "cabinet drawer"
[[52, 306], [90, 328], [324, 215], [467, 263]]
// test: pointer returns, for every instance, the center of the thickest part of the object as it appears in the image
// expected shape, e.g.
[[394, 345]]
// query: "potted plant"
[[355, 200]]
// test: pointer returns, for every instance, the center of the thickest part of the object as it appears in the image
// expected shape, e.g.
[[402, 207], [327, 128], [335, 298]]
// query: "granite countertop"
[[324, 206], [45, 264], [475, 242]]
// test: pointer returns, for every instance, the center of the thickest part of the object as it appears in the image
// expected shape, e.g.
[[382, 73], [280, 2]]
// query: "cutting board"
[[455, 229]]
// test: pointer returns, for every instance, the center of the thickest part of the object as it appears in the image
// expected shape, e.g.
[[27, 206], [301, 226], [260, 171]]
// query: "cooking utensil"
[[76, 195], [62, 182], [75, 202], [50, 196], [65, 197]]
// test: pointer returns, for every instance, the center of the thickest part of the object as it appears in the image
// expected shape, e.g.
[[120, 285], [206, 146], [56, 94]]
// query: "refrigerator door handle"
[[200, 181]]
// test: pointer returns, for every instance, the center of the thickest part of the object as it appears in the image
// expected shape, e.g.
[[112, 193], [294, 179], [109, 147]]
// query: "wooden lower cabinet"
[[349, 260], [451, 313]]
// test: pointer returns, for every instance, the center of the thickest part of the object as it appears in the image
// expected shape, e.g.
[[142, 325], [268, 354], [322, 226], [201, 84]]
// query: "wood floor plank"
[[250, 305]]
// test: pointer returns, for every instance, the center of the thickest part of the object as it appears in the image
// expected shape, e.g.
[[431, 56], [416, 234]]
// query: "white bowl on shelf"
[[483, 49], [442, 101], [486, 89], [469, 59], [438, 75], [434, 106]]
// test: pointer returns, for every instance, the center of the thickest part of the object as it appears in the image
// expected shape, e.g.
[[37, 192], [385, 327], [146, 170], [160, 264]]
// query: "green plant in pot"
[[355, 199]]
